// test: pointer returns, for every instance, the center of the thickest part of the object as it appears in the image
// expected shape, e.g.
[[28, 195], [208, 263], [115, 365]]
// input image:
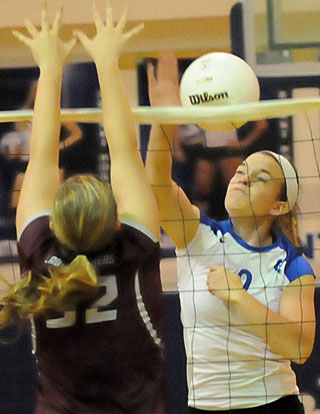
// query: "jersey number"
[[96, 312], [248, 278]]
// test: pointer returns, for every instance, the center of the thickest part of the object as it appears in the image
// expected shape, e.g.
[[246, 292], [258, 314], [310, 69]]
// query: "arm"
[[178, 217], [129, 183], [290, 332], [42, 175], [258, 130], [75, 134]]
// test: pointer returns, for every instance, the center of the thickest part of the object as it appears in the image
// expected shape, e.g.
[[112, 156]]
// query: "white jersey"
[[228, 366]]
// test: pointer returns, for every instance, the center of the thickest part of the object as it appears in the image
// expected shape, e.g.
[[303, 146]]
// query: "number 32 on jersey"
[[95, 313]]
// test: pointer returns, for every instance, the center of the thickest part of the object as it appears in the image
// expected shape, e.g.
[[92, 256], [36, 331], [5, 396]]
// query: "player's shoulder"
[[297, 264], [214, 225], [283, 243], [35, 232], [136, 231], [36, 224], [209, 232], [35, 239], [136, 240]]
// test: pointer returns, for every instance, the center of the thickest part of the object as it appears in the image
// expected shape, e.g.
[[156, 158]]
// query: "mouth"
[[240, 189]]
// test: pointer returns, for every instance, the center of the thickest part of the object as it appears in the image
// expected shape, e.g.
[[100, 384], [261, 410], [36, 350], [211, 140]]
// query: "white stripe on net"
[[239, 113]]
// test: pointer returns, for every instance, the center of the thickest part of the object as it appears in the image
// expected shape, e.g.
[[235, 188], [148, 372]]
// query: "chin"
[[237, 211], [234, 208]]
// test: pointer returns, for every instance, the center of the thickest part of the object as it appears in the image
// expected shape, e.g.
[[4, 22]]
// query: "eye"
[[262, 179], [240, 172]]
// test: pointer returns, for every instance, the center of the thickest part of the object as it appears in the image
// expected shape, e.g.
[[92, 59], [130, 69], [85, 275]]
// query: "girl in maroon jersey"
[[90, 251]]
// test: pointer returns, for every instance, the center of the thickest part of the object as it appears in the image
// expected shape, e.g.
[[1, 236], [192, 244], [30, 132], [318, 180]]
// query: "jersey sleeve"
[[35, 234], [298, 266], [139, 236]]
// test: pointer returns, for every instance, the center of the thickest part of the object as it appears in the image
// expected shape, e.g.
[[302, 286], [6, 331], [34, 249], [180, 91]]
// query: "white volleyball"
[[217, 79]]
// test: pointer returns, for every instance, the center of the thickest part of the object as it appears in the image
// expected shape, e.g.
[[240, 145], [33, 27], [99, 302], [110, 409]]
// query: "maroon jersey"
[[106, 358]]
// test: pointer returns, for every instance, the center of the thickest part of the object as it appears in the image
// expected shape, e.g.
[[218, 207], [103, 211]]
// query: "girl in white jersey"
[[247, 295]]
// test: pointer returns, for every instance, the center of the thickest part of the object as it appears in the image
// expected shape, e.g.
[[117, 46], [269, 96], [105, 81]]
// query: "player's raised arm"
[[178, 216], [129, 183], [42, 176]]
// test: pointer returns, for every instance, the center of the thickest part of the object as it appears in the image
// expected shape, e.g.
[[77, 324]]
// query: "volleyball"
[[218, 79]]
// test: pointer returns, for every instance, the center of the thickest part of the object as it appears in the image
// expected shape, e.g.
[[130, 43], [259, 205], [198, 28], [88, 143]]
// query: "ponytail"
[[288, 226], [35, 295]]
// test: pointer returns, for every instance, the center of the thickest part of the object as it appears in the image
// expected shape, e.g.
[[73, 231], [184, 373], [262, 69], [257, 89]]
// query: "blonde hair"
[[35, 295], [84, 214], [288, 226]]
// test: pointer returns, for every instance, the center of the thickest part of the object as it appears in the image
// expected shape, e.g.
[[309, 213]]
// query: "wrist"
[[107, 62], [52, 72], [237, 296]]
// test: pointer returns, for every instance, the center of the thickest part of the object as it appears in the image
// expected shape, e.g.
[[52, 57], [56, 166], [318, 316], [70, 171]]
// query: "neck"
[[256, 231]]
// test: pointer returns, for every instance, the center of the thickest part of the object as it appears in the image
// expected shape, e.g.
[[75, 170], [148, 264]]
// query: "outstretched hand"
[[110, 38], [164, 90], [48, 50]]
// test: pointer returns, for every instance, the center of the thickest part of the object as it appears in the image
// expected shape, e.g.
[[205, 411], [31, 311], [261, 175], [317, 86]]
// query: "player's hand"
[[110, 38], [48, 50], [224, 284], [164, 89]]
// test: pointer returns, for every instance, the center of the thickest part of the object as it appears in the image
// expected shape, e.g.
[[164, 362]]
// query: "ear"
[[279, 208], [51, 225]]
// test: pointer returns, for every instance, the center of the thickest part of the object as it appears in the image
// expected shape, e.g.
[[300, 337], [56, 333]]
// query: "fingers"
[[109, 36], [44, 18], [57, 21], [168, 66], [137, 29], [83, 38], [169, 58], [24, 39], [109, 14], [122, 21], [96, 17], [31, 28], [44, 22], [45, 44], [71, 44]]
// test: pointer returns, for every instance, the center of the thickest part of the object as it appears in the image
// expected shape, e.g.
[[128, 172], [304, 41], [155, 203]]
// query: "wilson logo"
[[206, 97], [204, 80]]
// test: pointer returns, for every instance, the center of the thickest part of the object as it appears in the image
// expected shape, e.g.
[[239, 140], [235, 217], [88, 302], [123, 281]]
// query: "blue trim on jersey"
[[296, 264], [226, 227], [248, 246], [213, 224], [297, 268]]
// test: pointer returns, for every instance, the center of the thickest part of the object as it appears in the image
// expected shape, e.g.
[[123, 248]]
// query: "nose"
[[244, 179]]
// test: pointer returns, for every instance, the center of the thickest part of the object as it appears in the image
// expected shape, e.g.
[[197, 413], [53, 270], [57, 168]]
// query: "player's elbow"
[[301, 359], [296, 348], [305, 348]]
